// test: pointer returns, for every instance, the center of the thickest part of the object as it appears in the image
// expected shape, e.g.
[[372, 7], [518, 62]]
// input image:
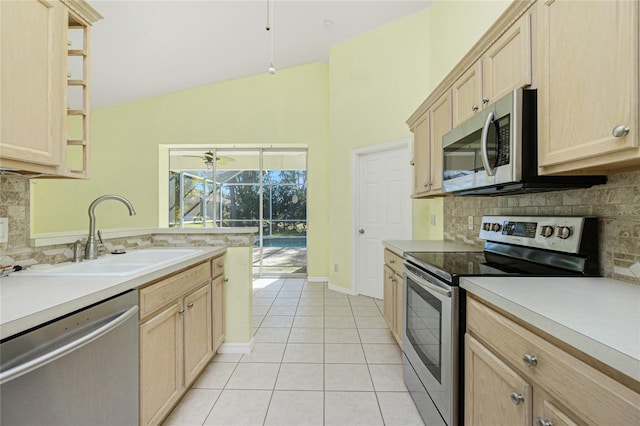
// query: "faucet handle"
[[100, 236]]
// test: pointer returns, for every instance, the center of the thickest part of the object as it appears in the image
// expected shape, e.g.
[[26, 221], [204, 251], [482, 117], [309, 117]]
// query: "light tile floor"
[[320, 358]]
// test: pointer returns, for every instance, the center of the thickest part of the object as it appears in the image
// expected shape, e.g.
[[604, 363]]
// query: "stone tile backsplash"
[[616, 204], [14, 204]]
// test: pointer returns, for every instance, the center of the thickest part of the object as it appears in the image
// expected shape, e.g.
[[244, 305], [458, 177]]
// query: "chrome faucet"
[[90, 250]]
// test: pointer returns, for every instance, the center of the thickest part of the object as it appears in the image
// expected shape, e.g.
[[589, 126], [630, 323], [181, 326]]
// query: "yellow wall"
[[290, 107], [373, 84], [377, 81]]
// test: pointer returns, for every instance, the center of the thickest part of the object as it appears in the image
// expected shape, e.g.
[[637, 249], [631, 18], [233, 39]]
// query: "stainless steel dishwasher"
[[81, 369]]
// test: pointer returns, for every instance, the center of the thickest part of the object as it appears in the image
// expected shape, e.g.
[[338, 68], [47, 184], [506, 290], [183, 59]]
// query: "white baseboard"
[[317, 279], [237, 348], [340, 289]]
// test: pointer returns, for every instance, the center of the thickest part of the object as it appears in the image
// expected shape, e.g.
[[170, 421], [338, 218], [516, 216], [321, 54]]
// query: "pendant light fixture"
[[269, 28]]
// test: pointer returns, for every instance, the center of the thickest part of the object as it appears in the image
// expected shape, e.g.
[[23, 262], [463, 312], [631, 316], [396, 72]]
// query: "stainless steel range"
[[434, 314]]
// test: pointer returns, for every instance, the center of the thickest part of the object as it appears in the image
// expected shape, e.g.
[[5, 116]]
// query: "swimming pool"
[[283, 242]]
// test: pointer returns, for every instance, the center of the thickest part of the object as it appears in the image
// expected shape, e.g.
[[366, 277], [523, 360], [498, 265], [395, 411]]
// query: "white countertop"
[[26, 302], [400, 247], [598, 316]]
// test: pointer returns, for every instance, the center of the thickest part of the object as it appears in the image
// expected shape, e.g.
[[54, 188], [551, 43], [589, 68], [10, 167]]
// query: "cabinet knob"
[[620, 131], [360, 231], [392, 261], [220, 265], [485, 100], [543, 422], [475, 107], [226, 280], [530, 360], [190, 305], [181, 311], [412, 163], [391, 277], [516, 398]]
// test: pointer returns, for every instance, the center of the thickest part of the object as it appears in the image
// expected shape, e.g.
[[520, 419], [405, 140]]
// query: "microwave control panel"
[[546, 232]]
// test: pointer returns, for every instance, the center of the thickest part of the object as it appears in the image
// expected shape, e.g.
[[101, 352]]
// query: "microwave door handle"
[[484, 149]]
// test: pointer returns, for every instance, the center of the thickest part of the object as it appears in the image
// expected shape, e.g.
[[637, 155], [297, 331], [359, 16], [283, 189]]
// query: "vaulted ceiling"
[[145, 48]]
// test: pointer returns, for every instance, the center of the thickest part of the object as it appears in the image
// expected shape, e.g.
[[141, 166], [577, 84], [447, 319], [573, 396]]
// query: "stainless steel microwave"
[[495, 152]]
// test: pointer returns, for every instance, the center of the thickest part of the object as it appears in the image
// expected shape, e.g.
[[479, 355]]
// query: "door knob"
[[360, 231]]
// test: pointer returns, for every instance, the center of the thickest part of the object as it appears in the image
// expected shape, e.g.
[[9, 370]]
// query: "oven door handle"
[[430, 286], [485, 149]]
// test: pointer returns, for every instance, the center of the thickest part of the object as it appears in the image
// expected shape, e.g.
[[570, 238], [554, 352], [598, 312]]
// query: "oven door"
[[430, 338]]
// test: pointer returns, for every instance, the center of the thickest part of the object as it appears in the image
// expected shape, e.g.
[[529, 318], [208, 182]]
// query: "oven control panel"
[[547, 232]]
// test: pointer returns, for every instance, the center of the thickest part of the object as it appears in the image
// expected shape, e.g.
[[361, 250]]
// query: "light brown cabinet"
[[428, 130], [505, 66], [588, 90], [176, 339], [392, 293], [34, 60], [219, 280], [496, 394], [514, 375]]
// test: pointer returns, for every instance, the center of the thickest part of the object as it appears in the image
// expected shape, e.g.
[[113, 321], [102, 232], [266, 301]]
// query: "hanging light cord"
[[269, 28]]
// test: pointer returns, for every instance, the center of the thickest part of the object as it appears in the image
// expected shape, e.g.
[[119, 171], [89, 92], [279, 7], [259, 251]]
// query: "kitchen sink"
[[119, 265]]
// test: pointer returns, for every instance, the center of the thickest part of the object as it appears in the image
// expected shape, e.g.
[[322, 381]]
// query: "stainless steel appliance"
[[81, 369], [434, 314], [495, 152]]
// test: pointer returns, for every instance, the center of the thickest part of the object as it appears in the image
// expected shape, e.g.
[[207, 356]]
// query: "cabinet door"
[[507, 64], [494, 393], [161, 373], [439, 124], [33, 43], [198, 346], [218, 312], [548, 411], [398, 308], [388, 301], [466, 94], [421, 156], [588, 84]]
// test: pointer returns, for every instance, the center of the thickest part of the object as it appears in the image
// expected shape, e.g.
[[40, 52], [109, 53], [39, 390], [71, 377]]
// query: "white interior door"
[[382, 210]]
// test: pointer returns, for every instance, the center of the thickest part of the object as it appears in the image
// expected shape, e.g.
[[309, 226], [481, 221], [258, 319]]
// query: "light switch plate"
[[4, 229]]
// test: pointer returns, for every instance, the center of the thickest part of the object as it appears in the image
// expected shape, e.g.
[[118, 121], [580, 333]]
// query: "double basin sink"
[[114, 265]]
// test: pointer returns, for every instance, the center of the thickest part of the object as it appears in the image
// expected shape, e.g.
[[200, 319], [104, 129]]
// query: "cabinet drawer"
[[393, 261], [592, 395], [217, 266], [168, 290]]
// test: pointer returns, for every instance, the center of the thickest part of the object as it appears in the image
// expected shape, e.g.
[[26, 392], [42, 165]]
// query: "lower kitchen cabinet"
[[514, 375], [218, 312], [392, 293], [176, 339], [217, 293]]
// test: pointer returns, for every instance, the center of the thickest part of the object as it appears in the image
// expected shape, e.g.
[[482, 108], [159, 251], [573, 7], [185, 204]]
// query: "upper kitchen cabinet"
[[428, 128], [505, 66], [35, 79], [588, 88]]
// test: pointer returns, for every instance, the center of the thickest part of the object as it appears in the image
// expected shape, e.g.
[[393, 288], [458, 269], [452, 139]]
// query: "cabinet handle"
[[412, 163], [530, 360], [516, 398], [620, 131], [190, 305], [543, 422], [226, 280], [426, 184], [220, 265], [391, 277], [475, 107], [485, 100], [392, 261], [181, 311]]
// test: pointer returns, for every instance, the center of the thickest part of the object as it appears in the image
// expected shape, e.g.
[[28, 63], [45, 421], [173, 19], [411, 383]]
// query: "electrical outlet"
[[433, 220], [4, 229], [470, 224]]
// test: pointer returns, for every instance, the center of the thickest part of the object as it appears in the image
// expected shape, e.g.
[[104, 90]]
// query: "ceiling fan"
[[208, 159]]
